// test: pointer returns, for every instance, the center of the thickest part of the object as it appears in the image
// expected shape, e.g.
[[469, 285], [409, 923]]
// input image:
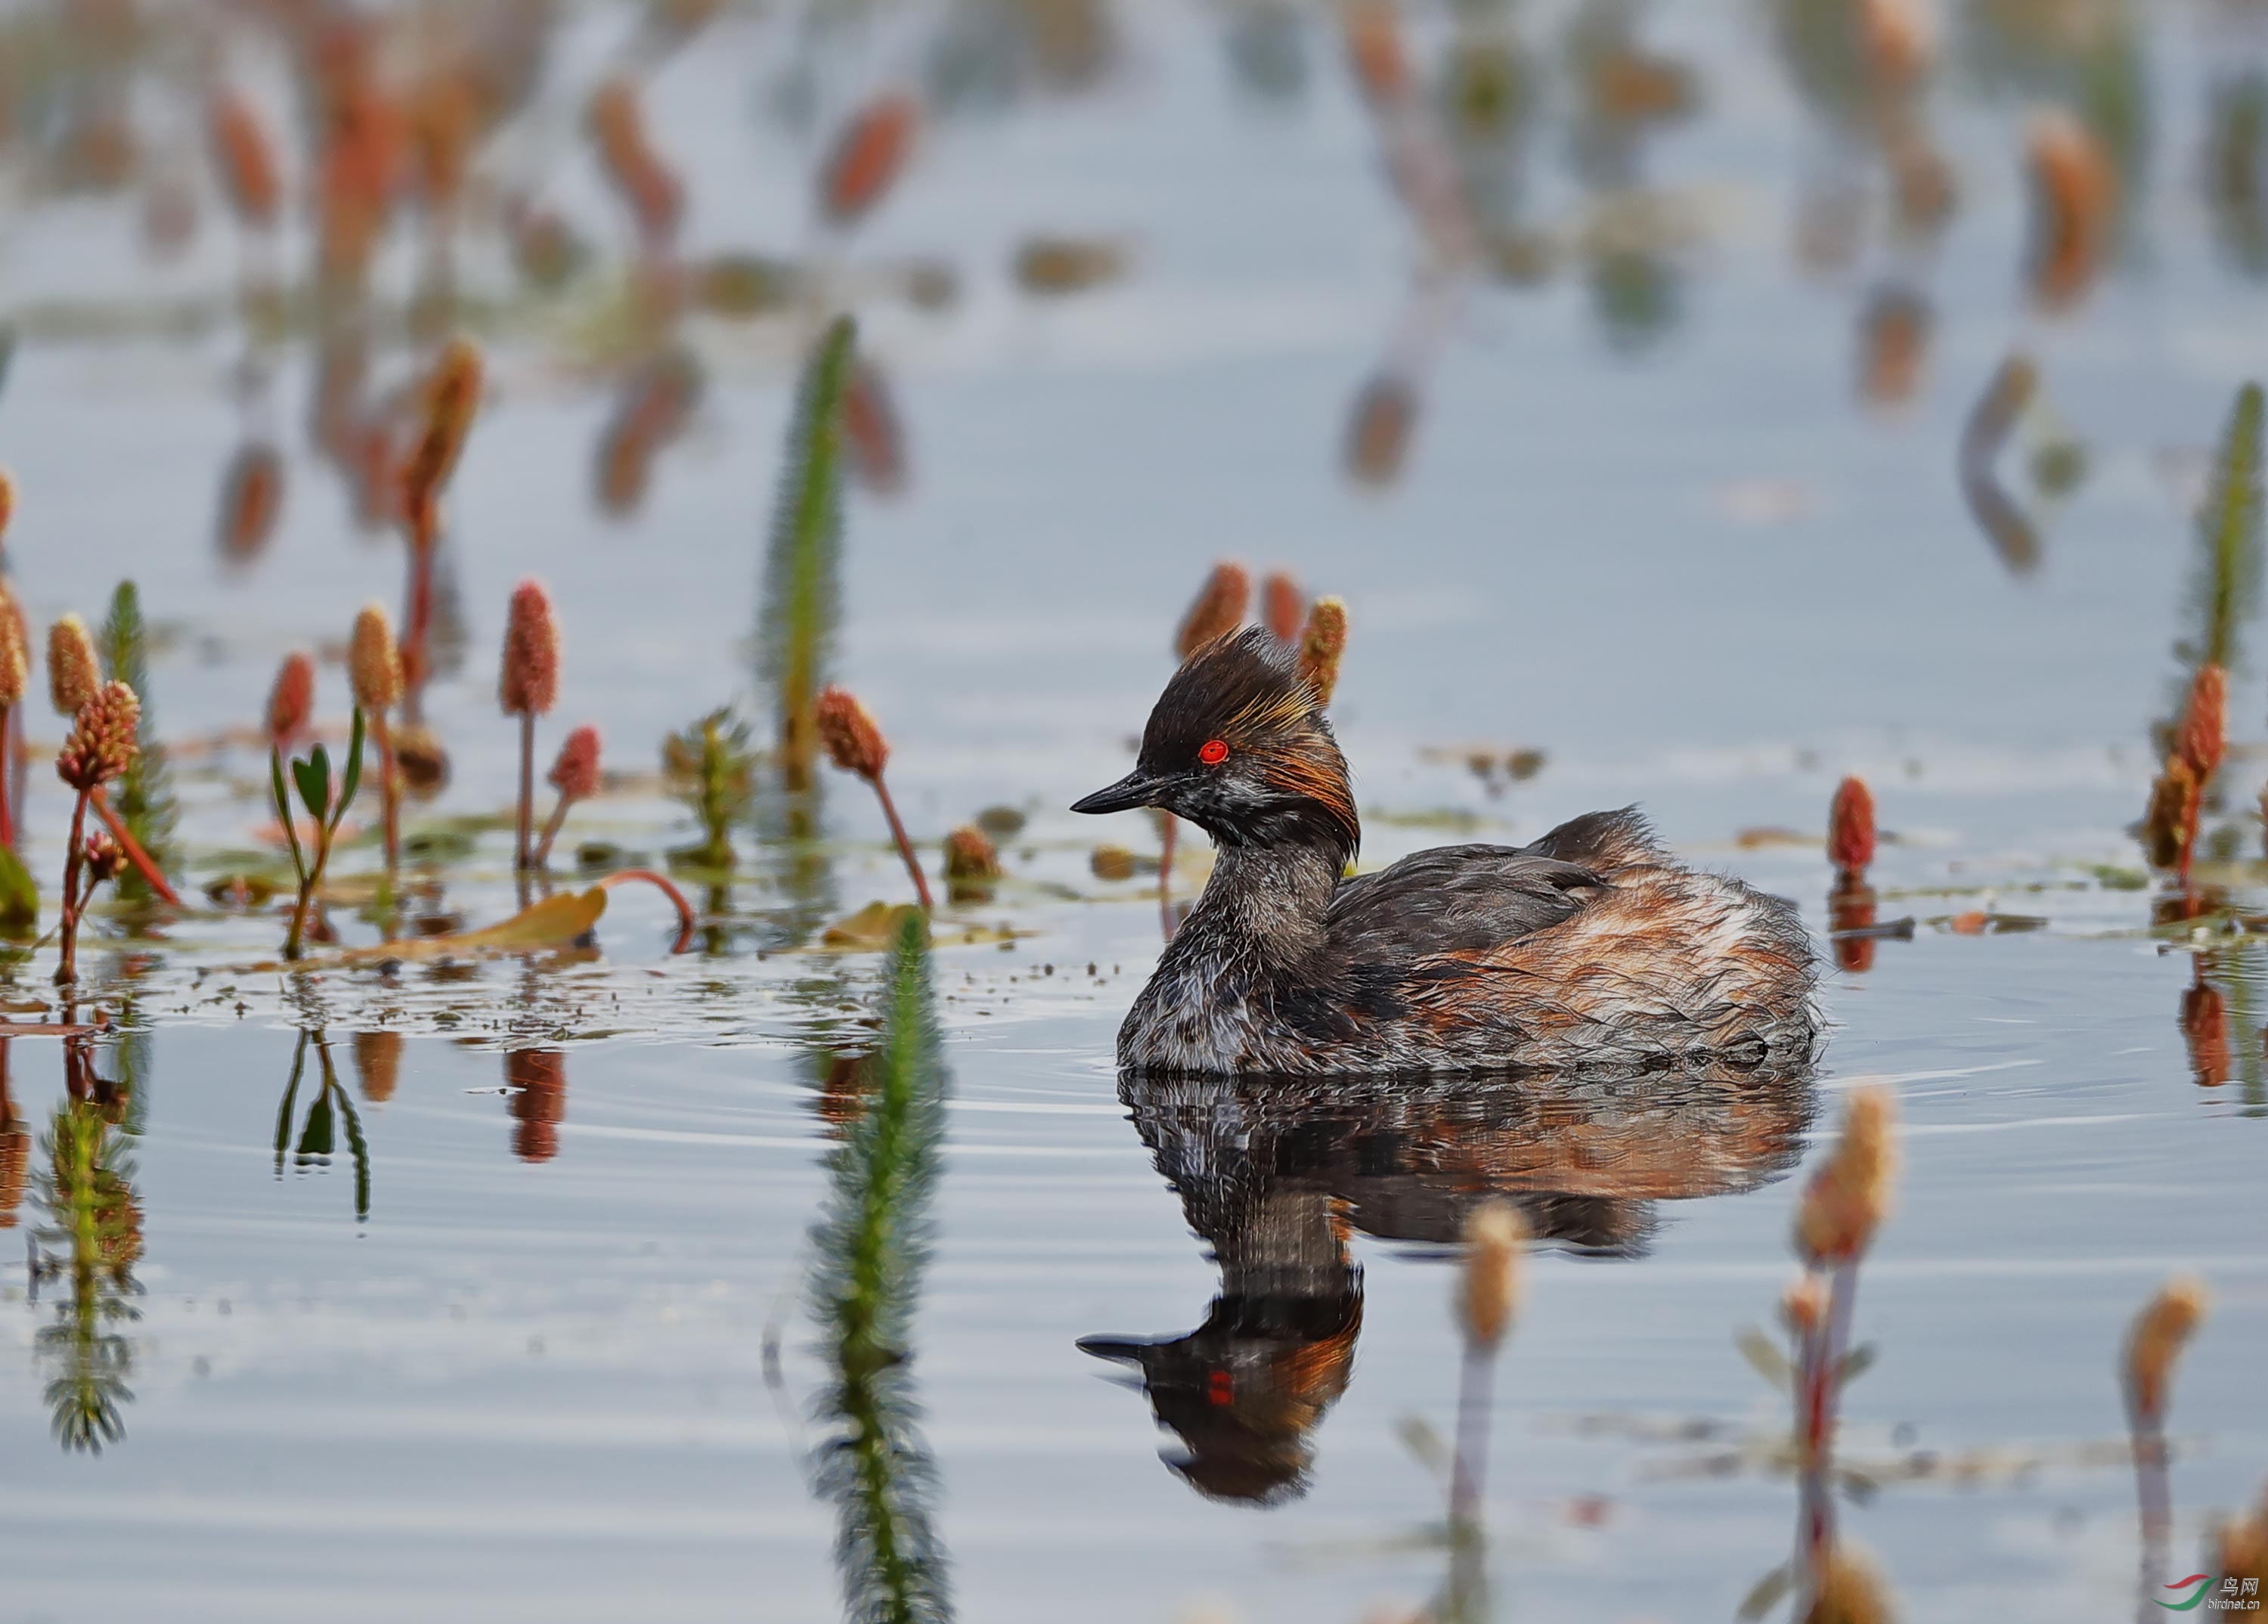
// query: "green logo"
[[2203, 1581]]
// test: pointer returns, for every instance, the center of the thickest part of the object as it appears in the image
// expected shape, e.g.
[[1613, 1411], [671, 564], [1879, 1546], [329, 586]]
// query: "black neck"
[[1268, 898]]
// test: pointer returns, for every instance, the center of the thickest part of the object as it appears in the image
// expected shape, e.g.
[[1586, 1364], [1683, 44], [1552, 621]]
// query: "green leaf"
[[19, 896], [314, 777], [1765, 1357], [284, 814], [1855, 1363], [354, 773]]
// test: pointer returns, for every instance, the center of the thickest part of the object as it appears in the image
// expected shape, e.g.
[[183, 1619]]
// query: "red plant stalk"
[[389, 792], [905, 846], [418, 614], [523, 849], [686, 918], [67, 967], [551, 831], [143, 863]]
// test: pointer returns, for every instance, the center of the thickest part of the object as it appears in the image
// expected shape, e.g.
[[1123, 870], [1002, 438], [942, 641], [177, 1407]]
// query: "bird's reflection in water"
[[1278, 1175]]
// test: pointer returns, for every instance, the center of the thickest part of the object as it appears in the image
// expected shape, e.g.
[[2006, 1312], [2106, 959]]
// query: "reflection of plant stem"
[[285, 1114], [331, 1103], [93, 1215], [1466, 1480], [2154, 1498]]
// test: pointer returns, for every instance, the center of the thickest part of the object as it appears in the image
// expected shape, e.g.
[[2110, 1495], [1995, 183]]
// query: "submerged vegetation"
[[94, 1231], [871, 1245]]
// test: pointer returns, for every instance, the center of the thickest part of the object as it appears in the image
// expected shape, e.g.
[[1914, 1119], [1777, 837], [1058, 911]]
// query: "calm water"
[[1690, 567]]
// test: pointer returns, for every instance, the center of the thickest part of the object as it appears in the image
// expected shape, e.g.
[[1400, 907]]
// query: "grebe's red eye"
[[1213, 752]]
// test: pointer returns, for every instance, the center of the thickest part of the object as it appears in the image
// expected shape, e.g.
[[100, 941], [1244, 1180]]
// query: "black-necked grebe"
[[1593, 945]]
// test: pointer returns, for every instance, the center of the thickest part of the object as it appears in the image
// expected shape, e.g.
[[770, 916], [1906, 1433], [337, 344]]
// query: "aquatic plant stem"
[[7, 801], [417, 613], [523, 849], [389, 791], [74, 861], [551, 827], [686, 917], [905, 846], [294, 938], [143, 863]]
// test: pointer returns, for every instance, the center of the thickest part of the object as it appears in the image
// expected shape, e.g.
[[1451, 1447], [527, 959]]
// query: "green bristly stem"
[[800, 573]]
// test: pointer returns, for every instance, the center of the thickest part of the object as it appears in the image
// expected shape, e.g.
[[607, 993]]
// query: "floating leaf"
[[557, 921], [875, 926], [554, 922], [869, 930]]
